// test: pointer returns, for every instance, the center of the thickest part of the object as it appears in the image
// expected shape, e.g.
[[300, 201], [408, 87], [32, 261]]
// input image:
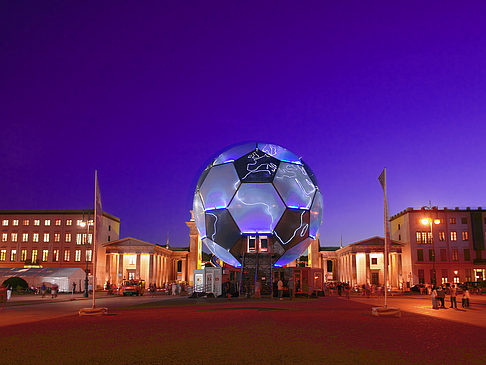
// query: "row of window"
[[45, 255], [444, 276], [81, 238], [443, 255], [426, 236], [47, 222]]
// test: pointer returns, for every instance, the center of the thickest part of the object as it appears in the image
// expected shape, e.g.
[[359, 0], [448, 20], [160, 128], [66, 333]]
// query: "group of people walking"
[[438, 295]]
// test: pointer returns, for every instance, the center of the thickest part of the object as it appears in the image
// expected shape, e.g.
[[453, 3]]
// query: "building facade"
[[53, 238], [441, 245]]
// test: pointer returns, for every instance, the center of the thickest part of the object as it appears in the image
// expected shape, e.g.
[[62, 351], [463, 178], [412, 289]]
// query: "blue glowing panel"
[[256, 166], [293, 227], [294, 185], [199, 216], [316, 215], [279, 153], [234, 153], [221, 253], [256, 208], [219, 186], [221, 228], [293, 253]]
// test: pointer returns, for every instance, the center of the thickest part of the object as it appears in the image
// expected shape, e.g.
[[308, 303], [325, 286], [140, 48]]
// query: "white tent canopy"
[[35, 277]]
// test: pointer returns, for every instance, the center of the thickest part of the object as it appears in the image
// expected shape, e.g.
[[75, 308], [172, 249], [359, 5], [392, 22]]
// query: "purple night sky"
[[149, 92]]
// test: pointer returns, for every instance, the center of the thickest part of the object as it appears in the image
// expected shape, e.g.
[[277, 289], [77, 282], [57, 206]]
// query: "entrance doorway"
[[375, 278]]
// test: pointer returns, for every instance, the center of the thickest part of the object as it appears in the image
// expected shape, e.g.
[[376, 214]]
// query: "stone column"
[[137, 268], [120, 269], [368, 272], [151, 269], [108, 268]]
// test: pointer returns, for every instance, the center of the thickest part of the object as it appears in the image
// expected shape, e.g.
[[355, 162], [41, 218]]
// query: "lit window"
[[91, 222], [263, 244], [57, 237], [25, 237], [47, 222], [23, 255], [78, 255], [36, 222], [68, 237], [88, 255], [45, 253], [14, 237], [79, 222], [453, 236], [463, 220], [3, 254], [55, 256], [58, 222], [251, 244], [84, 238], [69, 222], [78, 238], [441, 236], [35, 238], [5, 222], [13, 255], [90, 238], [67, 255], [34, 256], [465, 235], [15, 222], [26, 222], [132, 259], [452, 220], [4, 237], [423, 237], [455, 254], [46, 237]]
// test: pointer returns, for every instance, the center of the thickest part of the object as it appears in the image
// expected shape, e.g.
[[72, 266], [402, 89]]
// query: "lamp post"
[[431, 222], [86, 281]]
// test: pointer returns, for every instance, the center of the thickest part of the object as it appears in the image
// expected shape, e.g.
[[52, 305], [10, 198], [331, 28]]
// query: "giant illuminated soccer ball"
[[257, 189]]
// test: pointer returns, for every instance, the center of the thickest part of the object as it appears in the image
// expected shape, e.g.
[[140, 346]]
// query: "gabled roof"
[[373, 241], [128, 242]]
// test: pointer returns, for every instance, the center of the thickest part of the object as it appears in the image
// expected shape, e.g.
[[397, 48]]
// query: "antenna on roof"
[[341, 240], [167, 244]]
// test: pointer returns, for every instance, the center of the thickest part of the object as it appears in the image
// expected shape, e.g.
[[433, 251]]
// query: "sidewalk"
[[28, 299]]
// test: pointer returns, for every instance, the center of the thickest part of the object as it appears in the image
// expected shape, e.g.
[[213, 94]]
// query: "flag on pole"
[[382, 179]]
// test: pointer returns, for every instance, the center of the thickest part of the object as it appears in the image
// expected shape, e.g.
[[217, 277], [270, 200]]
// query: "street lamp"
[[431, 222], [86, 224]]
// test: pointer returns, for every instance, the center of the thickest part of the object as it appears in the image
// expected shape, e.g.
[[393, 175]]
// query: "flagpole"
[[386, 241], [95, 231]]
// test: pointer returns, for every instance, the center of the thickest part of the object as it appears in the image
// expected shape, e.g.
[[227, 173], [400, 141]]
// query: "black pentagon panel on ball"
[[293, 227], [256, 166], [221, 228]]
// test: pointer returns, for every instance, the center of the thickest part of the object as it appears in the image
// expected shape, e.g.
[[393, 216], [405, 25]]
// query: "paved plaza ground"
[[164, 330]]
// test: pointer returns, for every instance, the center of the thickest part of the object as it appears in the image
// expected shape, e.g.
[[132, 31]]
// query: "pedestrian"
[[54, 291], [43, 290], [258, 285], [441, 296], [434, 299], [280, 289], [453, 292], [467, 296], [9, 292], [74, 287]]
